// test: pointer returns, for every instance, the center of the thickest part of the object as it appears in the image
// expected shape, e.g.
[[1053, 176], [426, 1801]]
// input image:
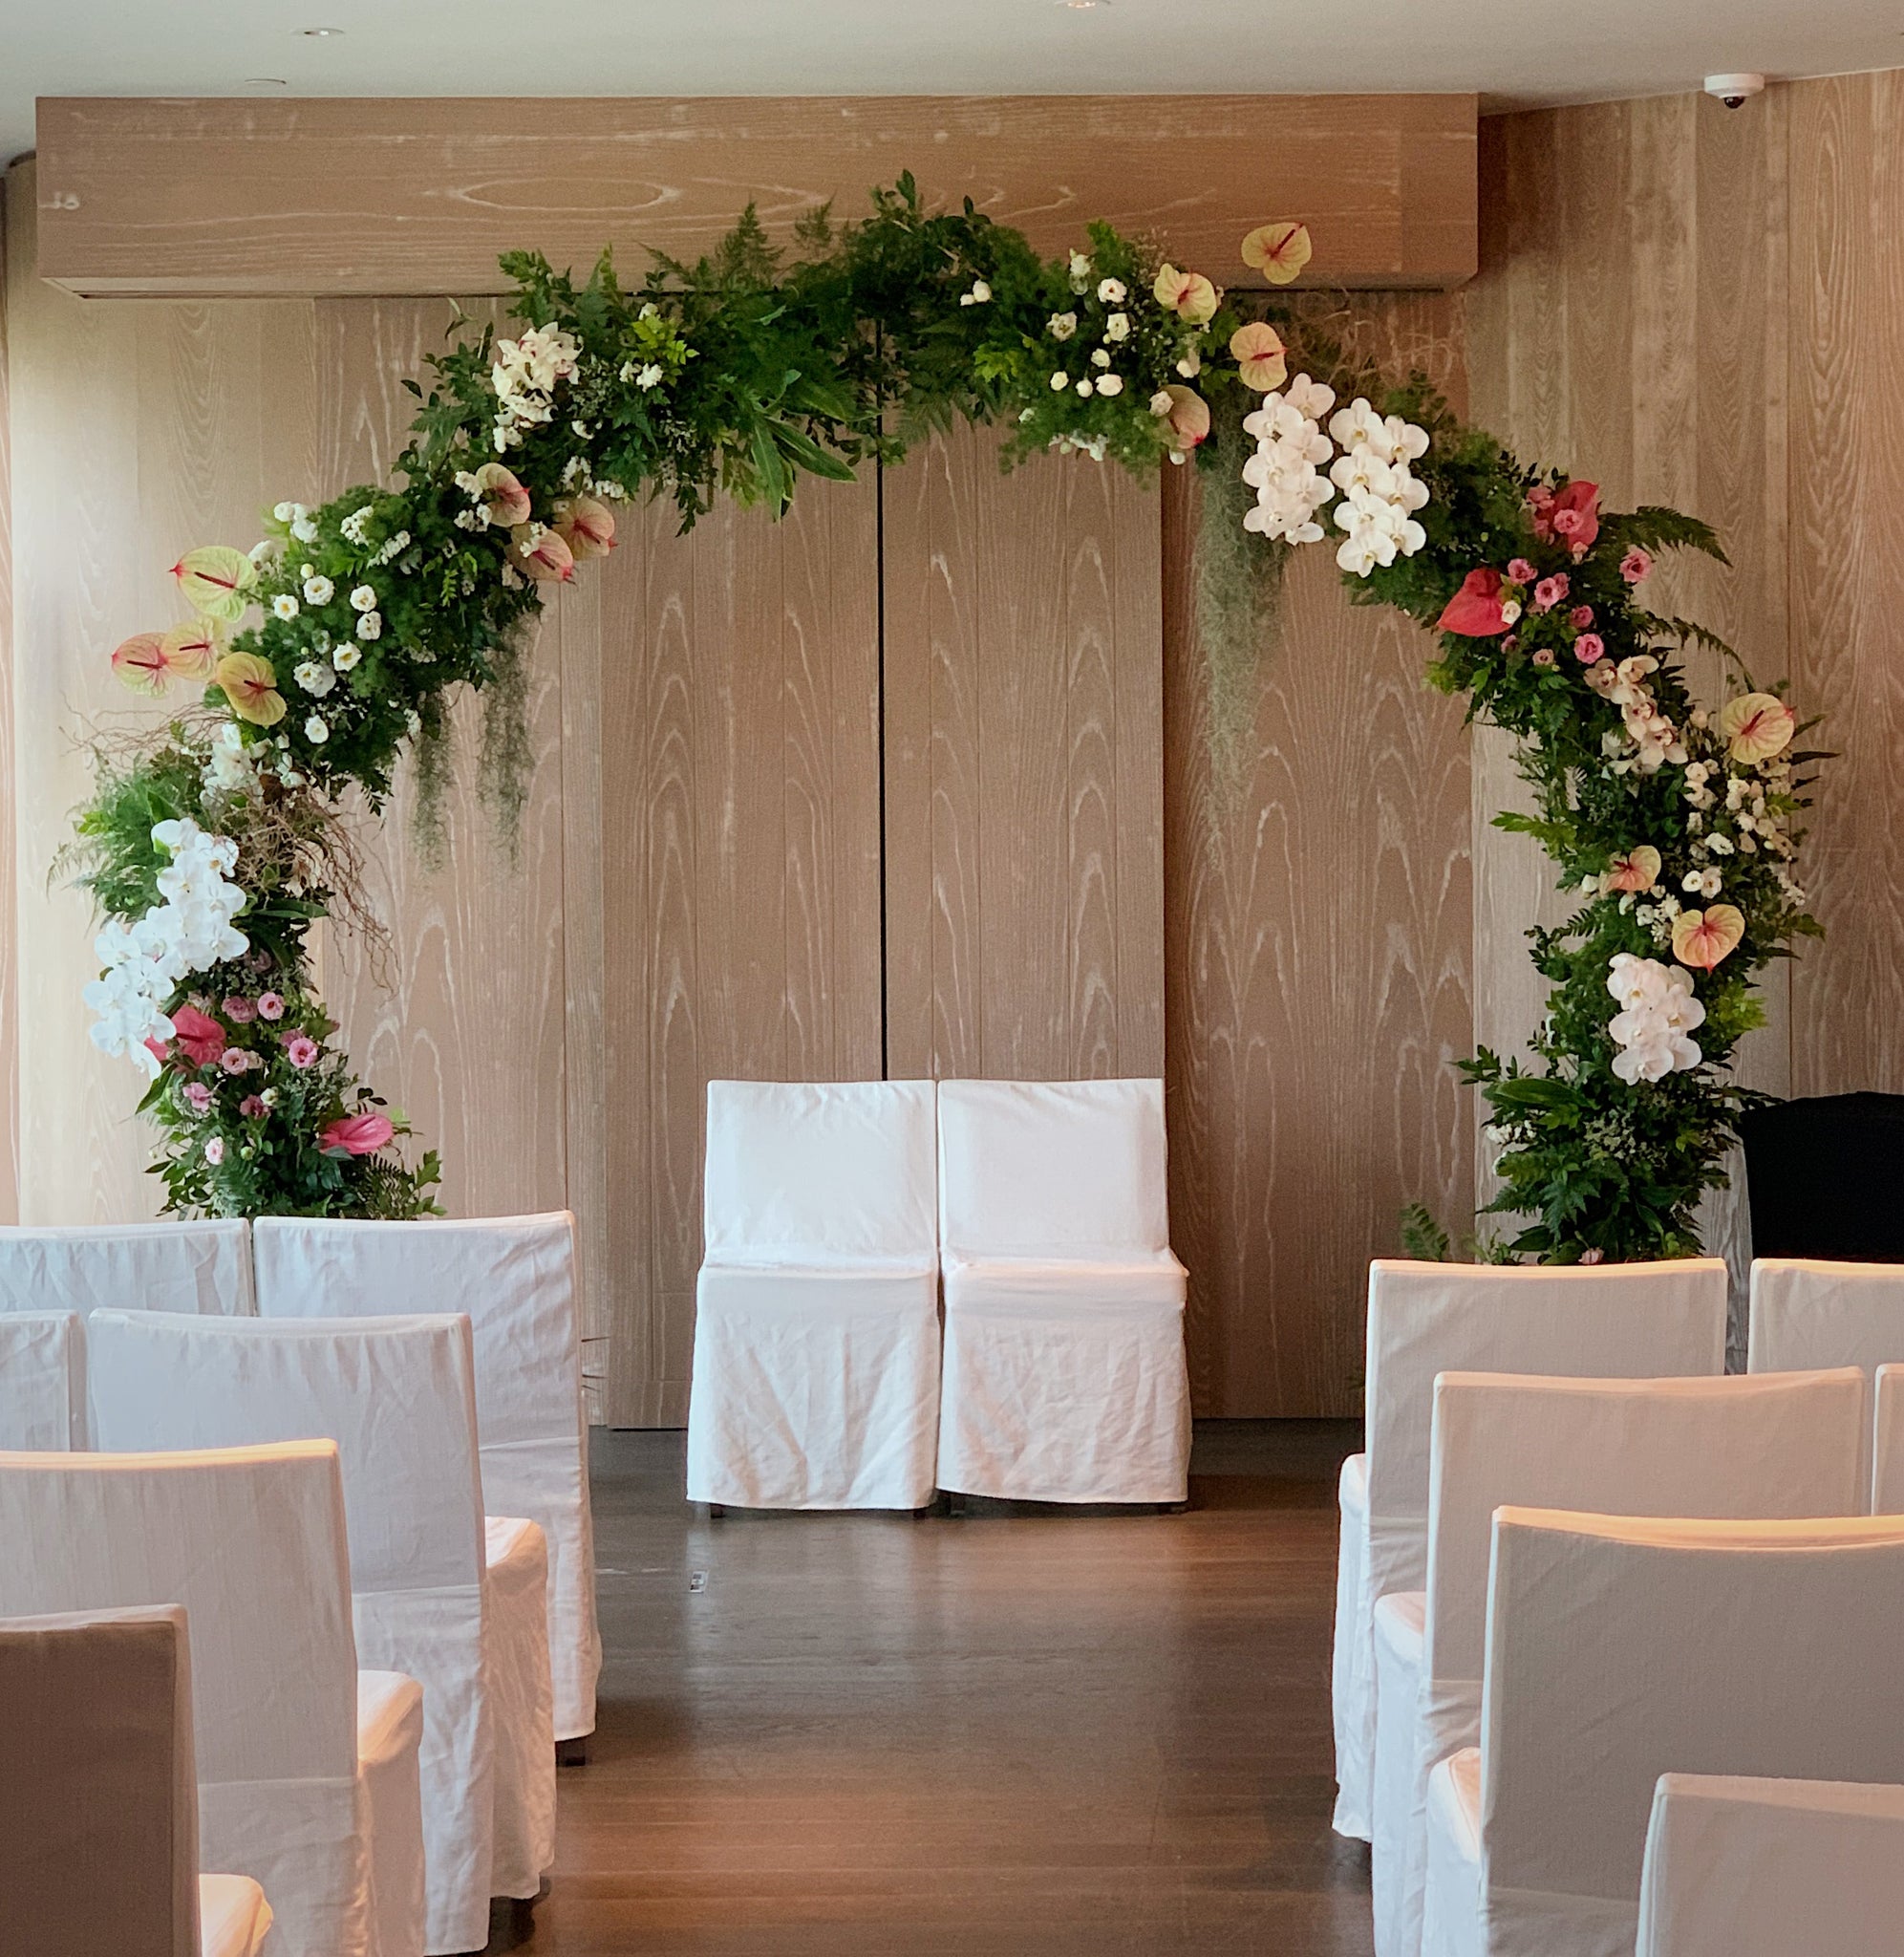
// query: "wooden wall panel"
[[1023, 771], [1317, 937], [736, 869], [10, 1021], [420, 196]]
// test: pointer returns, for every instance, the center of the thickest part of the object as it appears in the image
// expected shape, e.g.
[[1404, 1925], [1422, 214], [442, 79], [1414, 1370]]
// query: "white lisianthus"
[[1118, 327], [344, 657], [370, 625], [363, 598], [1111, 291], [286, 512], [1059, 382], [316, 730], [1109, 384], [1099, 357], [315, 678], [284, 606], [304, 528], [1060, 325], [318, 590], [1085, 390]]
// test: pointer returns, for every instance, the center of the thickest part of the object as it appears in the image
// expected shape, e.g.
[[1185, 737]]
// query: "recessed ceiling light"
[[1083, 6], [321, 34]]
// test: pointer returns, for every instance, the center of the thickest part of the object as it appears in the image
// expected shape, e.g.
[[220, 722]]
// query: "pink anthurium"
[[1475, 610], [356, 1134], [1755, 726], [542, 552], [1639, 869], [251, 686], [216, 580], [1188, 294], [191, 650], [586, 525], [200, 1038], [1278, 251], [503, 495], [1702, 938], [142, 664], [1188, 417], [1257, 349]]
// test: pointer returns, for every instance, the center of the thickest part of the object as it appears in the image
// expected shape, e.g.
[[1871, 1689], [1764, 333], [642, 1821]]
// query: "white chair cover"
[[1783, 1444], [1064, 1377], [197, 1267], [1886, 1485], [1605, 1321], [307, 1767], [816, 1367], [515, 1277], [1806, 1313], [1619, 1648], [42, 1380], [397, 1396], [98, 1798], [1744, 1868]]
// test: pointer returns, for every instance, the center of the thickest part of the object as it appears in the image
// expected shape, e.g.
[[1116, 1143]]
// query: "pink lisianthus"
[[1581, 617], [239, 1010], [1634, 565], [250, 1107], [356, 1134], [1521, 571], [1543, 655], [1589, 646], [300, 1049], [270, 1007], [197, 1095], [215, 1150], [234, 1060], [1549, 592], [200, 1038]]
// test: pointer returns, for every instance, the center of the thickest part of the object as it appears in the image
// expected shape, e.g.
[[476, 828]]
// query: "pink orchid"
[[1549, 592], [270, 1006], [200, 1038], [239, 1010], [1634, 565], [300, 1049], [356, 1134], [1476, 609], [1589, 646]]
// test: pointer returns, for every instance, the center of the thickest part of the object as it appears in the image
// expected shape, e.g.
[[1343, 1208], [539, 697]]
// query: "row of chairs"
[[239, 1459], [1486, 1605], [514, 1277], [835, 1213]]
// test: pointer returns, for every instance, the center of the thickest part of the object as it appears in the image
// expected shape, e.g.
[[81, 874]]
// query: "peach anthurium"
[[1278, 251], [251, 687], [1188, 294], [1639, 869], [586, 525], [1756, 726], [1702, 938], [140, 663], [1257, 350], [504, 495], [542, 552], [191, 650], [1188, 417], [216, 580]]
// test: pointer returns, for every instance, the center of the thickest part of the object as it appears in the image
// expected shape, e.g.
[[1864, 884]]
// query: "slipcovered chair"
[[1783, 1444], [1064, 1377], [1808, 1313], [515, 1277], [306, 1766], [1887, 1484], [437, 1592], [42, 1380], [1601, 1320], [816, 1367], [197, 1267], [1621, 1648], [1743, 1867], [100, 1799]]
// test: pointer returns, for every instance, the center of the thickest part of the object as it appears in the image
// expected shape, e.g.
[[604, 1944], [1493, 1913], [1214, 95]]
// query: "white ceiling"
[[1510, 52]]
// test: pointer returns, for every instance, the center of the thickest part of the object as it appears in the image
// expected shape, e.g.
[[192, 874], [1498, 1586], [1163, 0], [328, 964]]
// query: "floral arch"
[[335, 646]]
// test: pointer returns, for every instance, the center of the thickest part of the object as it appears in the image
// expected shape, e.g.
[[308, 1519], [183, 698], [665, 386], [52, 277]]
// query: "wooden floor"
[[1004, 1732]]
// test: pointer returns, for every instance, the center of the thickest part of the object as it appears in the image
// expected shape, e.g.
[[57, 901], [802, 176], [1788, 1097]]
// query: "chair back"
[[515, 1278], [1621, 1648], [1785, 1445], [1052, 1168], [99, 1800], [42, 1380], [250, 1542], [197, 1267], [798, 1171], [1738, 1866], [1887, 1481], [1808, 1313], [1645, 1320]]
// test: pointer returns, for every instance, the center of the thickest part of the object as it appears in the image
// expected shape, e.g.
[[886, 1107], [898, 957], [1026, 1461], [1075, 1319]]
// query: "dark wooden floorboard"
[[1038, 1733]]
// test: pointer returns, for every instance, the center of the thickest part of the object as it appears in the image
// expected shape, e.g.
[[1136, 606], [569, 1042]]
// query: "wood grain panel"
[[738, 862], [361, 196], [1318, 935], [1024, 773], [9, 1019]]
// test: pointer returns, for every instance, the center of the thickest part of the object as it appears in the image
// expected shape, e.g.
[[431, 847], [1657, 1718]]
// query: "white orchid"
[[1658, 1014]]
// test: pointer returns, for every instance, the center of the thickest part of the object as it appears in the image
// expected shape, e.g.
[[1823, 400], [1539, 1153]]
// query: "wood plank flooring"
[[1012, 1732]]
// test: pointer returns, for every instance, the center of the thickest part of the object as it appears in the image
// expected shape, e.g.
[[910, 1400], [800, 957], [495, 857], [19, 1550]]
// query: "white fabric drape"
[[1744, 1868], [1621, 1648], [397, 1396], [515, 1278], [42, 1380], [196, 1267], [1601, 1320], [1064, 1377], [816, 1362], [303, 1765], [1783, 1444]]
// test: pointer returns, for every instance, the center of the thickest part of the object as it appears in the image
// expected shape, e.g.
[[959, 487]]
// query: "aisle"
[[993, 1734]]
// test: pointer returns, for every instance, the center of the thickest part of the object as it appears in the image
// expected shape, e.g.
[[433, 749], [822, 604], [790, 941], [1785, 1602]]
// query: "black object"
[[1825, 1177]]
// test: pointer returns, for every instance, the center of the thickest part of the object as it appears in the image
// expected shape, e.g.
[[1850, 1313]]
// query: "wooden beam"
[[364, 196]]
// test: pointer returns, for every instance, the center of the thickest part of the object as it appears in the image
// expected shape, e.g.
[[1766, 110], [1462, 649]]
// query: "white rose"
[[370, 625], [318, 591], [344, 657], [1099, 357], [1059, 382], [1060, 325], [363, 599], [1118, 327], [1111, 291], [1085, 390], [284, 606], [1109, 383], [315, 731]]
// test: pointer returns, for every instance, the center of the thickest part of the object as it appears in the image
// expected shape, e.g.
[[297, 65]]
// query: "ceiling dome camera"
[[1734, 90]]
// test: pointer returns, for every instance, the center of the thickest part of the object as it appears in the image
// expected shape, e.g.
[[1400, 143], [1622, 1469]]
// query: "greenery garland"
[[212, 846]]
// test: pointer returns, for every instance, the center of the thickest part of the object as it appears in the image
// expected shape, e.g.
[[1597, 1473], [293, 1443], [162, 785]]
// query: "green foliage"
[[1423, 1237]]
